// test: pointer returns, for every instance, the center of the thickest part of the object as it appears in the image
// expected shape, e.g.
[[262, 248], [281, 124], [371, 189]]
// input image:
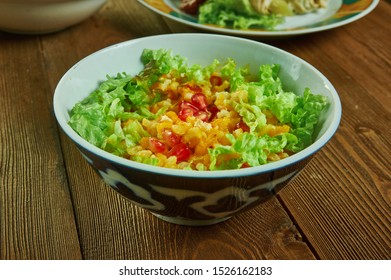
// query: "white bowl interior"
[[296, 75]]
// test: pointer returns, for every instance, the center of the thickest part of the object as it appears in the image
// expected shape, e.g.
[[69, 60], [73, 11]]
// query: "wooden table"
[[53, 205]]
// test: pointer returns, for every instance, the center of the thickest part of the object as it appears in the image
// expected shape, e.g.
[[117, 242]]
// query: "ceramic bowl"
[[44, 16], [189, 197]]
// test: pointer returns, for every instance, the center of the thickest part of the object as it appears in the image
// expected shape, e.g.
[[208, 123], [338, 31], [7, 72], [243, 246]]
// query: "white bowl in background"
[[44, 16]]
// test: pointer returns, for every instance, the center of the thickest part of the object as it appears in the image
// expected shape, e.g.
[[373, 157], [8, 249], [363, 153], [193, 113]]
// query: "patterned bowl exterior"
[[191, 200]]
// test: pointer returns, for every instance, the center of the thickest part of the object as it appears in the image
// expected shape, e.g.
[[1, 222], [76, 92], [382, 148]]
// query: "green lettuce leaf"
[[161, 61], [97, 118], [237, 14], [247, 148], [252, 115], [301, 112], [146, 160], [237, 76], [305, 116]]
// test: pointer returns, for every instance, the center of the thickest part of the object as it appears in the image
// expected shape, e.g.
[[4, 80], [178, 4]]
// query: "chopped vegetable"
[[245, 14], [202, 118]]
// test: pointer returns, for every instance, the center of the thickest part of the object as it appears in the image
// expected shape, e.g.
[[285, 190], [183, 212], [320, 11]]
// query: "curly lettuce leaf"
[[238, 14], [305, 116], [251, 115], [247, 148], [97, 118], [146, 160], [301, 112], [237, 76], [159, 62]]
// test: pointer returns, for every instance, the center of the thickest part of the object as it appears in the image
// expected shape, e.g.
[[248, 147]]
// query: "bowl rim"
[[251, 171]]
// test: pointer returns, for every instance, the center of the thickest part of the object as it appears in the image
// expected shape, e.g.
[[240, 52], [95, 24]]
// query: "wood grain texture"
[[36, 213], [354, 169], [54, 206]]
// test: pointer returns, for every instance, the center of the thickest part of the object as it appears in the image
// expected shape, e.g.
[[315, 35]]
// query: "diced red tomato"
[[216, 80], [198, 107], [199, 100], [187, 105], [181, 151], [187, 109], [186, 112], [170, 138], [243, 126], [156, 146], [213, 111], [245, 165]]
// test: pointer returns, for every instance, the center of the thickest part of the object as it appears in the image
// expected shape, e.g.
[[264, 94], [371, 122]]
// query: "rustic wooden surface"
[[53, 206]]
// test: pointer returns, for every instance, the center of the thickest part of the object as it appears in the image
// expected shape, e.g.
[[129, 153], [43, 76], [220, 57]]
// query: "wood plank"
[[345, 220], [36, 215], [346, 215], [133, 18]]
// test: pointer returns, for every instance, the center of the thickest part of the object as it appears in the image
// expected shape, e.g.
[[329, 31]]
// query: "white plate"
[[337, 13]]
